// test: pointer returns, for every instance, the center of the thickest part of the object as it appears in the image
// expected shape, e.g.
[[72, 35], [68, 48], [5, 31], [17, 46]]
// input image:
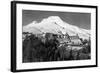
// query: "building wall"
[[76, 42]]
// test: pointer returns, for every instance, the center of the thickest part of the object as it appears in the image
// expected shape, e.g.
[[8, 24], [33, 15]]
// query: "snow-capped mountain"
[[55, 24]]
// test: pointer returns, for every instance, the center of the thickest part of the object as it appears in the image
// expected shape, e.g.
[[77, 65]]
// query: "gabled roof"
[[74, 37]]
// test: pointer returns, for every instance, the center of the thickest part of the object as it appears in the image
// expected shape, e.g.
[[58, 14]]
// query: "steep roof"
[[74, 37]]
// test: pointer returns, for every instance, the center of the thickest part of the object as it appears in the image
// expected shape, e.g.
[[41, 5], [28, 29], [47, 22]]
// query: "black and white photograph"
[[47, 36], [56, 36]]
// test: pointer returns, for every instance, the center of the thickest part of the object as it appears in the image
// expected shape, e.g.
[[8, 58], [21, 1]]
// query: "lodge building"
[[72, 40]]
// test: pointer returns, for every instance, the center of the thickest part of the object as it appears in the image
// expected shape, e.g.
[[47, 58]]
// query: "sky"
[[82, 20]]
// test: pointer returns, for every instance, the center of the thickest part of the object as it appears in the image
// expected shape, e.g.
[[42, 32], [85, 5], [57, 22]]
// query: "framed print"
[[47, 36]]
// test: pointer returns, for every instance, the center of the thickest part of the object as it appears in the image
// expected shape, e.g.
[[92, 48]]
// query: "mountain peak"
[[54, 24], [56, 19]]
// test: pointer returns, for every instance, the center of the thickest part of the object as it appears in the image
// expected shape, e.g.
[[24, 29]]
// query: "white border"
[[21, 66]]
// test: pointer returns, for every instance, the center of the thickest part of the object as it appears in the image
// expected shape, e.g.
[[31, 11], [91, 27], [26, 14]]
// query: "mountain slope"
[[55, 24]]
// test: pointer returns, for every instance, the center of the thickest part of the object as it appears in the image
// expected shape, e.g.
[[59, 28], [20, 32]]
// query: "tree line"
[[34, 50]]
